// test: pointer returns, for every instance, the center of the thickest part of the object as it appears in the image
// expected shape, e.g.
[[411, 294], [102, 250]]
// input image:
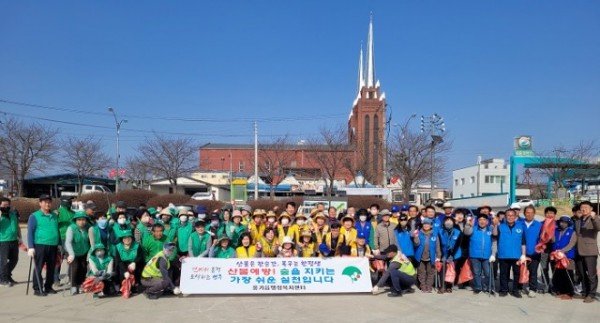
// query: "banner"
[[275, 276]]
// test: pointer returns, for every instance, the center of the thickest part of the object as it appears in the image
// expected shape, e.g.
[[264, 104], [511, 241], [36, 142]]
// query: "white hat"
[[447, 204], [515, 206], [287, 239]]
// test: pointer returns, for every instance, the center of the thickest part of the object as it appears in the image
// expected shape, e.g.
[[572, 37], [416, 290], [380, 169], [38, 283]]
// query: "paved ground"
[[460, 306]]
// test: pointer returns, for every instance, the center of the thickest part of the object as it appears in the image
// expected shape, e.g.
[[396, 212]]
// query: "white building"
[[490, 176]]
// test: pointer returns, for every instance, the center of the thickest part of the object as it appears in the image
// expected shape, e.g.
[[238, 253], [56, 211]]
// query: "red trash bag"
[[562, 262], [524, 276], [465, 273], [546, 235], [438, 266], [91, 285], [126, 285], [378, 265], [450, 273]]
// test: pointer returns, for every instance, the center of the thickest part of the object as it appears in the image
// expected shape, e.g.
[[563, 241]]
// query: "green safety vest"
[[81, 240], [143, 229], [9, 227], [151, 269], [199, 243], [46, 232], [183, 236], [170, 233], [100, 264], [128, 255], [119, 232], [225, 254], [65, 217]]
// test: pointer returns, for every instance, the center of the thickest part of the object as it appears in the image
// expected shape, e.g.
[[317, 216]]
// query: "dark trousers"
[[505, 266], [532, 266], [545, 266], [9, 256], [562, 282], [44, 256], [155, 286], [78, 270], [401, 281], [121, 269], [586, 266]]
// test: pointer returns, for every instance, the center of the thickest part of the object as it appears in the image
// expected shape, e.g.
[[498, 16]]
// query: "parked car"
[[435, 202], [87, 189], [202, 196], [525, 202]]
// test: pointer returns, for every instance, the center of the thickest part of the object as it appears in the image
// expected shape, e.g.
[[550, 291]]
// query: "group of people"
[[125, 251]]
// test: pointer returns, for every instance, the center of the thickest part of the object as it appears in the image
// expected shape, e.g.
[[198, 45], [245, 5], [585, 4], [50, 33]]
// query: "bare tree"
[[84, 157], [25, 148], [139, 173], [409, 158], [168, 158], [331, 152], [359, 164], [274, 157]]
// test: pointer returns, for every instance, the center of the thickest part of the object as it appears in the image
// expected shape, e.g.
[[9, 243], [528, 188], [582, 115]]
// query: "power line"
[[237, 119]]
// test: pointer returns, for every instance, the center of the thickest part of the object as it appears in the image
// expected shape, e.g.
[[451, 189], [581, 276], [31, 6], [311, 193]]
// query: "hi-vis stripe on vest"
[[151, 269]]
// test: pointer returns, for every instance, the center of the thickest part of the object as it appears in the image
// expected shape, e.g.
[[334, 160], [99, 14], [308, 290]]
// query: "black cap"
[[45, 197], [121, 204], [390, 248], [403, 217], [215, 216], [199, 223]]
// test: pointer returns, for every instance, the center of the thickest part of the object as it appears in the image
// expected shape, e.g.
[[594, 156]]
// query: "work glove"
[[31, 252], [126, 275], [131, 266], [176, 291], [70, 259], [522, 259], [99, 273], [492, 258]]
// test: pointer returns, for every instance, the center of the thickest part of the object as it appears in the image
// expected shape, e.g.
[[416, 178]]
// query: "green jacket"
[[9, 227], [128, 255], [224, 254], [81, 240], [233, 232], [151, 246], [65, 217], [46, 232], [199, 243], [183, 236]]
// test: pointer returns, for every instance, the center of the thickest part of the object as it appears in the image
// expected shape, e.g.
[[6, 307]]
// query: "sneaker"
[[376, 290], [532, 294], [502, 294], [51, 291], [151, 296], [39, 293], [588, 299], [476, 292], [394, 294], [517, 294], [409, 291], [74, 291], [4, 284], [14, 282]]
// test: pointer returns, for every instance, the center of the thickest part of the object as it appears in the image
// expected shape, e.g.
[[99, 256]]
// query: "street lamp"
[[435, 126], [118, 126]]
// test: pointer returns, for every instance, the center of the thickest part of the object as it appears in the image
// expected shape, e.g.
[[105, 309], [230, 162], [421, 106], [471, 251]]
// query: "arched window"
[[376, 148], [367, 134]]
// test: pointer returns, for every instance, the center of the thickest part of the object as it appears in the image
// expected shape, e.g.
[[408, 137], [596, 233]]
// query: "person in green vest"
[[153, 243], [101, 272], [122, 226], [129, 259], [155, 276], [200, 241], [65, 217], [10, 238], [222, 249], [144, 226], [43, 239], [183, 233], [234, 228], [100, 232], [400, 271], [170, 230], [77, 246]]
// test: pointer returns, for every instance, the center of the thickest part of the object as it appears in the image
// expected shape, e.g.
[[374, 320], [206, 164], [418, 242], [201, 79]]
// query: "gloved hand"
[[70, 259], [176, 291], [492, 258], [99, 273], [131, 266], [106, 276], [31, 252], [522, 259], [450, 259], [126, 275]]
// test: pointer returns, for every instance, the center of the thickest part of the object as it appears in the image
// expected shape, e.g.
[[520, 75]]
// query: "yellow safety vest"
[[151, 269]]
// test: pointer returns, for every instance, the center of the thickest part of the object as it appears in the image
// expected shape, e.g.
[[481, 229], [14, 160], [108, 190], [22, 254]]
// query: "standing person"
[[450, 240], [290, 208], [511, 249], [10, 238], [299, 226], [549, 215], [448, 210], [427, 253], [100, 232], [363, 225], [183, 233], [404, 239], [144, 226], [271, 221], [482, 252], [461, 224], [43, 238], [374, 210], [155, 276], [65, 219], [429, 213], [199, 241], [331, 216], [563, 246], [285, 228], [395, 214], [384, 233], [533, 228], [587, 226], [77, 246]]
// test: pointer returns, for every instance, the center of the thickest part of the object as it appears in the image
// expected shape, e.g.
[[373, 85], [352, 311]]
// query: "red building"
[[366, 128]]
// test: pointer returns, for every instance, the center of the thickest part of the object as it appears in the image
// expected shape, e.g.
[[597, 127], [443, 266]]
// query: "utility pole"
[[118, 126], [435, 126], [255, 161]]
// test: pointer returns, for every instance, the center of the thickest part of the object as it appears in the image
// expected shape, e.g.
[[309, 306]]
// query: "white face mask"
[[271, 220], [183, 218], [363, 218], [121, 221], [285, 221], [300, 222]]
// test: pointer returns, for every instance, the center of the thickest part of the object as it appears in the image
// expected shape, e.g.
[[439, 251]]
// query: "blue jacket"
[[561, 242], [405, 243], [510, 240], [433, 239], [480, 245], [450, 243], [532, 236], [366, 230]]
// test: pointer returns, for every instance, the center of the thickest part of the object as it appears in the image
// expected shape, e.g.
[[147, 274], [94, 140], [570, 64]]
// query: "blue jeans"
[[481, 274]]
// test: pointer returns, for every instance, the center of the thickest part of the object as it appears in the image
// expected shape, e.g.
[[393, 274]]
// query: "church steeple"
[[361, 76], [370, 77]]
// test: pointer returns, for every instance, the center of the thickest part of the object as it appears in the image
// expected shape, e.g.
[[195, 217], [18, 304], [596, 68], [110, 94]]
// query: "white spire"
[[370, 77], [361, 77]]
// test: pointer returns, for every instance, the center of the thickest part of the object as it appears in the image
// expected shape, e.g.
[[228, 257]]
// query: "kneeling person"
[[155, 276]]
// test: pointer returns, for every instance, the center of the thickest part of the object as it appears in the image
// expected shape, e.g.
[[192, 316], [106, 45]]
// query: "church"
[[365, 149]]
